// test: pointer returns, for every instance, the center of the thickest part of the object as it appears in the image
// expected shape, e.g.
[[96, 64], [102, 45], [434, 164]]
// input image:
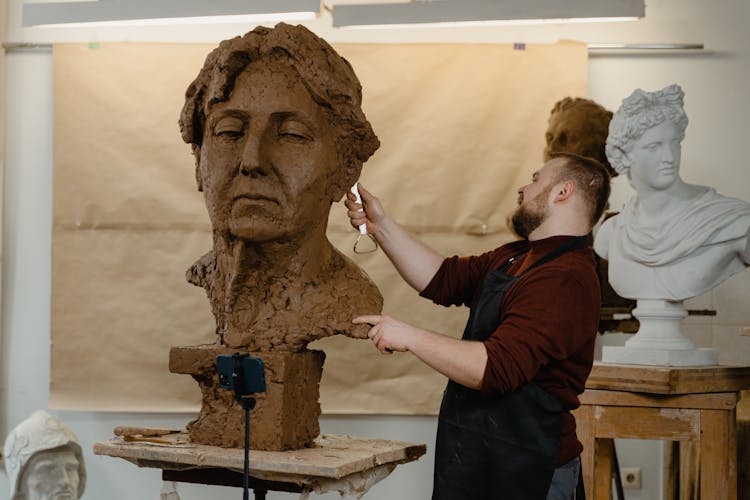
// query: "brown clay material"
[[580, 126], [278, 134], [285, 416]]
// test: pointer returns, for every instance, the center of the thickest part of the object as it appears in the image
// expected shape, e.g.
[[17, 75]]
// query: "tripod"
[[244, 376], [247, 403]]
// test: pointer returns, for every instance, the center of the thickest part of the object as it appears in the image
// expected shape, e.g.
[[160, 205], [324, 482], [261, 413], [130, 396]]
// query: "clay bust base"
[[659, 340], [286, 415]]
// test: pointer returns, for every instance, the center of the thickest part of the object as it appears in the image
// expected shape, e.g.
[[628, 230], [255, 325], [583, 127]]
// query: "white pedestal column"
[[659, 340]]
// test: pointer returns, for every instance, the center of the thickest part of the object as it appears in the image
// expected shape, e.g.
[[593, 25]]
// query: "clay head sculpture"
[[578, 126], [276, 126], [672, 240], [44, 460]]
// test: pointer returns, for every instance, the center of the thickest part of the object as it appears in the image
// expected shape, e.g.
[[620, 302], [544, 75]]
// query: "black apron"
[[499, 447]]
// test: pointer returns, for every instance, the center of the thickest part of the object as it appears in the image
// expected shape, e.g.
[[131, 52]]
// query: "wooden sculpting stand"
[[666, 403], [333, 462]]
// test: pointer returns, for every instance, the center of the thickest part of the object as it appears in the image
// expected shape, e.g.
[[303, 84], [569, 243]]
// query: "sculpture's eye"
[[229, 127], [295, 131], [562, 138]]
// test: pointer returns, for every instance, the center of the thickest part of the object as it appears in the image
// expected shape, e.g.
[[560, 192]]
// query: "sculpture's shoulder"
[[355, 282], [604, 237], [200, 273]]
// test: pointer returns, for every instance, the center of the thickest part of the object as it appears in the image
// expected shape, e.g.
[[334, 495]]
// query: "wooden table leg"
[[584, 416], [718, 458], [603, 469]]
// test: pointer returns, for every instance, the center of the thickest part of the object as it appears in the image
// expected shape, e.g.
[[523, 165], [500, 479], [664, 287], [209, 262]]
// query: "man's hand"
[[373, 214], [462, 361], [387, 334]]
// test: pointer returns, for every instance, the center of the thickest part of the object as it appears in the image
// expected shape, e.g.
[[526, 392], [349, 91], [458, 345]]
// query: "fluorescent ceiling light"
[[150, 12], [473, 12]]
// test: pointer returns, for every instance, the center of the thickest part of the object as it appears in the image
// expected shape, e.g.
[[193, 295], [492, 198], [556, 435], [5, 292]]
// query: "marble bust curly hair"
[[639, 112]]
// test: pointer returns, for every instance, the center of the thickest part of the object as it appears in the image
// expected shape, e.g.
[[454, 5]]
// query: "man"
[[44, 460], [505, 430]]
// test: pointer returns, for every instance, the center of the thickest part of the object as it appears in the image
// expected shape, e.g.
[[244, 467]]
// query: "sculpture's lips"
[[63, 495], [256, 198]]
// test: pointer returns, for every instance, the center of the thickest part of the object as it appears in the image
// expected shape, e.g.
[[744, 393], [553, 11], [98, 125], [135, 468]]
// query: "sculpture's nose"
[[251, 163], [667, 155]]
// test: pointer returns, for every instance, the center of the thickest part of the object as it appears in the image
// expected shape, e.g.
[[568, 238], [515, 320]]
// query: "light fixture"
[[140, 12], [471, 12]]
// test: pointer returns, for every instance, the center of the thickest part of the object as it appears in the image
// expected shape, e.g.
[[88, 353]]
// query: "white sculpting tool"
[[362, 227]]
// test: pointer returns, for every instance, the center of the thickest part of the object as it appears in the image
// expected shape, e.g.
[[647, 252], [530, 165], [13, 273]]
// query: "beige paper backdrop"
[[461, 127]]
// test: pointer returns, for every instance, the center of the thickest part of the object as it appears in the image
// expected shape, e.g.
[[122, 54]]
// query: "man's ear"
[[563, 191]]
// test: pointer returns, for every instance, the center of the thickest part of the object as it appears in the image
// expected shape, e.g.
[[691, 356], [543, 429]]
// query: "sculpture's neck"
[[664, 201], [296, 258]]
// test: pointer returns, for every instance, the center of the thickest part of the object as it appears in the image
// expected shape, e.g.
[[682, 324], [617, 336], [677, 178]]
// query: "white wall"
[[714, 152]]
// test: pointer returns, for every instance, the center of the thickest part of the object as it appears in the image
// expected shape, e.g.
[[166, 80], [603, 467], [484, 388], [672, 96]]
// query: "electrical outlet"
[[631, 477]]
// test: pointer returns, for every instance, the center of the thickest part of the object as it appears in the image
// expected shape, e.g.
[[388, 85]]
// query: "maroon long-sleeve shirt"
[[549, 323]]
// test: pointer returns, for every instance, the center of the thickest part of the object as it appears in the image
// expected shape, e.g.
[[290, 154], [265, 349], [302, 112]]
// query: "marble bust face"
[[50, 475], [653, 159]]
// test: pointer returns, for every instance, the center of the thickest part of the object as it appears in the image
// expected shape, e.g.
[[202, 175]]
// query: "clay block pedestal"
[[285, 416]]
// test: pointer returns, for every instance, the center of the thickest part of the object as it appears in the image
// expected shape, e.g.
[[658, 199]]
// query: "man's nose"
[[252, 163]]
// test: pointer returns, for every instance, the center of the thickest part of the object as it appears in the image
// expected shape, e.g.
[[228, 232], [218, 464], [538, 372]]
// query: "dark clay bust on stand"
[[278, 134]]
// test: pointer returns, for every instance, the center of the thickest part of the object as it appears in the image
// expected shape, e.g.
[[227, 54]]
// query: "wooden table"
[[333, 462], [667, 403]]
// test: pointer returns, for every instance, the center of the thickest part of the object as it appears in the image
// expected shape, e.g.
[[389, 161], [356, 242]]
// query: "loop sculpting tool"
[[369, 245]]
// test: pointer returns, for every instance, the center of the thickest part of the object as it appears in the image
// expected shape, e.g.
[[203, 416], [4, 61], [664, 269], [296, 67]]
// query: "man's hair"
[[590, 178], [328, 77], [639, 112]]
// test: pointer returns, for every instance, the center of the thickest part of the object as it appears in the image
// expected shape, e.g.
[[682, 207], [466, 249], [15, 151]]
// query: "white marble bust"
[[672, 240], [43, 460]]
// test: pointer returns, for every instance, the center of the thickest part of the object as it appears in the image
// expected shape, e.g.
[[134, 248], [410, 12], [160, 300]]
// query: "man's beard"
[[530, 216]]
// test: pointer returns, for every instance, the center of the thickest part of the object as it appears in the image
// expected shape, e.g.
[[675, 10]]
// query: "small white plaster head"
[[640, 112], [44, 460]]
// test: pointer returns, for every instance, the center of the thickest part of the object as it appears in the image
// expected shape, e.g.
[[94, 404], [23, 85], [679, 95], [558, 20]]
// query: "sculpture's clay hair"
[[591, 124], [639, 112], [590, 178], [328, 77]]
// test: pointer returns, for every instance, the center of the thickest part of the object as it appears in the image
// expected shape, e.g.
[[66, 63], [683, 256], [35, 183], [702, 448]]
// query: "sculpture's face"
[[51, 475], [653, 159], [268, 161]]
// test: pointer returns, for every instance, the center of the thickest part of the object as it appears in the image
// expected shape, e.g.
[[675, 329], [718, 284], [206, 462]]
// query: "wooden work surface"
[[668, 379], [331, 456]]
